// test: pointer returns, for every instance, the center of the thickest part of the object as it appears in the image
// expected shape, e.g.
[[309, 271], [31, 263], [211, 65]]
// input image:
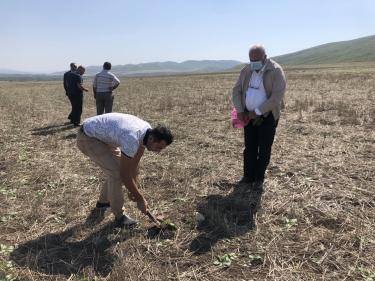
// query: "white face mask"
[[256, 65]]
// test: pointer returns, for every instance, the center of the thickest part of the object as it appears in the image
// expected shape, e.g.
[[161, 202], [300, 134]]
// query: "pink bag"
[[237, 123]]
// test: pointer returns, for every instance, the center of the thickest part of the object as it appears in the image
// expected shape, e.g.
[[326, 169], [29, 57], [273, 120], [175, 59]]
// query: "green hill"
[[357, 50]]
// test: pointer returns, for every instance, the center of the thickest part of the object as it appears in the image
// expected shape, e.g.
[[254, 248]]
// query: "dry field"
[[314, 221]]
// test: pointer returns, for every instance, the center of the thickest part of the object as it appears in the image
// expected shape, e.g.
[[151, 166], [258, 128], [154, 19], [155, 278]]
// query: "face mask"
[[256, 65]]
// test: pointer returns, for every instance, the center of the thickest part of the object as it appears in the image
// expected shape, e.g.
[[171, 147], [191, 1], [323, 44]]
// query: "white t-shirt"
[[256, 94], [118, 130]]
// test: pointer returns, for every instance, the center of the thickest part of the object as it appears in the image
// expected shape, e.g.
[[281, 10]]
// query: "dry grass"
[[314, 221]]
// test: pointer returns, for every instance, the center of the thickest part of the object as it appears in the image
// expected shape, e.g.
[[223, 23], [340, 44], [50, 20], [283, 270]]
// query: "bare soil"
[[314, 220]]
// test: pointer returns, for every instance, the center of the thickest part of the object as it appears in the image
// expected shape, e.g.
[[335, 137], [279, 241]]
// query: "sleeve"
[[129, 146], [95, 82], [278, 91], [64, 81], [115, 80], [237, 93], [79, 79]]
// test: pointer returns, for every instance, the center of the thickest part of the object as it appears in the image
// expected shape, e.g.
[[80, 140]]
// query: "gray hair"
[[258, 47]]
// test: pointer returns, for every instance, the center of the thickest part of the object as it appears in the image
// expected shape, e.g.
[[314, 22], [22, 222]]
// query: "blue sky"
[[45, 36]]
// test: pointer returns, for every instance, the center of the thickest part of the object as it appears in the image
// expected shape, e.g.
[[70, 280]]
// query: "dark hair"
[[72, 64], [162, 133], [107, 65]]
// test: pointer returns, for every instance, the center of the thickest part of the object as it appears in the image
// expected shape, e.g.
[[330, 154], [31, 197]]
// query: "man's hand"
[[142, 205], [112, 88], [241, 116], [252, 114], [86, 90]]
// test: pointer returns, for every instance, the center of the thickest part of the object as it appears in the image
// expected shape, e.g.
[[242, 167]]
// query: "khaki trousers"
[[108, 159]]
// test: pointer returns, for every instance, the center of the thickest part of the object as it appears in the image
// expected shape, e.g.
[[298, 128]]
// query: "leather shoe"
[[258, 186], [76, 125], [125, 222], [245, 180]]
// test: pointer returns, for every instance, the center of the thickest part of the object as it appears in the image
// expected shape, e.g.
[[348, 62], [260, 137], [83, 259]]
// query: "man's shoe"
[[245, 180], [258, 186], [125, 222], [102, 205], [76, 125]]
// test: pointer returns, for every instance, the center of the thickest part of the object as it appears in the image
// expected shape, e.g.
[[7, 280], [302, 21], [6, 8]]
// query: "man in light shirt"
[[259, 95], [116, 142], [104, 84]]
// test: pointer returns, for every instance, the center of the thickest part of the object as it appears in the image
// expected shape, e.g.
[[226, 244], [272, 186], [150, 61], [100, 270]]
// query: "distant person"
[[73, 67], [259, 94], [75, 92], [116, 142], [103, 86]]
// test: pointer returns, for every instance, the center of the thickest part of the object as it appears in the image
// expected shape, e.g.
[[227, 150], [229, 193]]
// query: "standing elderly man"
[[259, 94], [104, 84], [75, 92], [116, 142], [73, 67]]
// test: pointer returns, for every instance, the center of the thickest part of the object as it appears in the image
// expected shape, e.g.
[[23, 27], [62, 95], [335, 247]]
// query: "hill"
[[5, 71], [168, 67], [357, 50]]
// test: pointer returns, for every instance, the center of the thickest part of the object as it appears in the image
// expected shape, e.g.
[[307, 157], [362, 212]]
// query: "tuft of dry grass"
[[314, 221]]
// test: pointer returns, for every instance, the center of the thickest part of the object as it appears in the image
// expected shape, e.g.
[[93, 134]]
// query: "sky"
[[47, 35]]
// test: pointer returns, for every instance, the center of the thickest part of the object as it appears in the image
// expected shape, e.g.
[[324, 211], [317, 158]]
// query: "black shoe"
[[76, 125], [125, 222], [258, 186], [102, 205], [245, 180]]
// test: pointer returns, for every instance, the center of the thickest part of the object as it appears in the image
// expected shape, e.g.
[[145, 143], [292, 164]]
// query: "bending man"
[[116, 142]]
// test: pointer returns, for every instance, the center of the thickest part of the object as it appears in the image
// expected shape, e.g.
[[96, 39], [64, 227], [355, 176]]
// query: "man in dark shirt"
[[75, 92], [73, 67]]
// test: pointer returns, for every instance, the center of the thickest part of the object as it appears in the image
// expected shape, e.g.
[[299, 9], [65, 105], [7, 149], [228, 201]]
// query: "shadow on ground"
[[66, 253], [71, 136], [226, 216], [51, 129]]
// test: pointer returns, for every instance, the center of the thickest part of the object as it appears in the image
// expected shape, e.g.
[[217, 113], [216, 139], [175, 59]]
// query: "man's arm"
[[116, 82], [80, 86], [278, 91], [127, 176], [237, 97], [113, 87], [94, 85], [136, 163], [65, 82]]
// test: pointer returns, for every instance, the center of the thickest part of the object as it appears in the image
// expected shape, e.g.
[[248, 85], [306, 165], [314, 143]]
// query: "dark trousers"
[[71, 103], [104, 101], [77, 103], [258, 143]]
